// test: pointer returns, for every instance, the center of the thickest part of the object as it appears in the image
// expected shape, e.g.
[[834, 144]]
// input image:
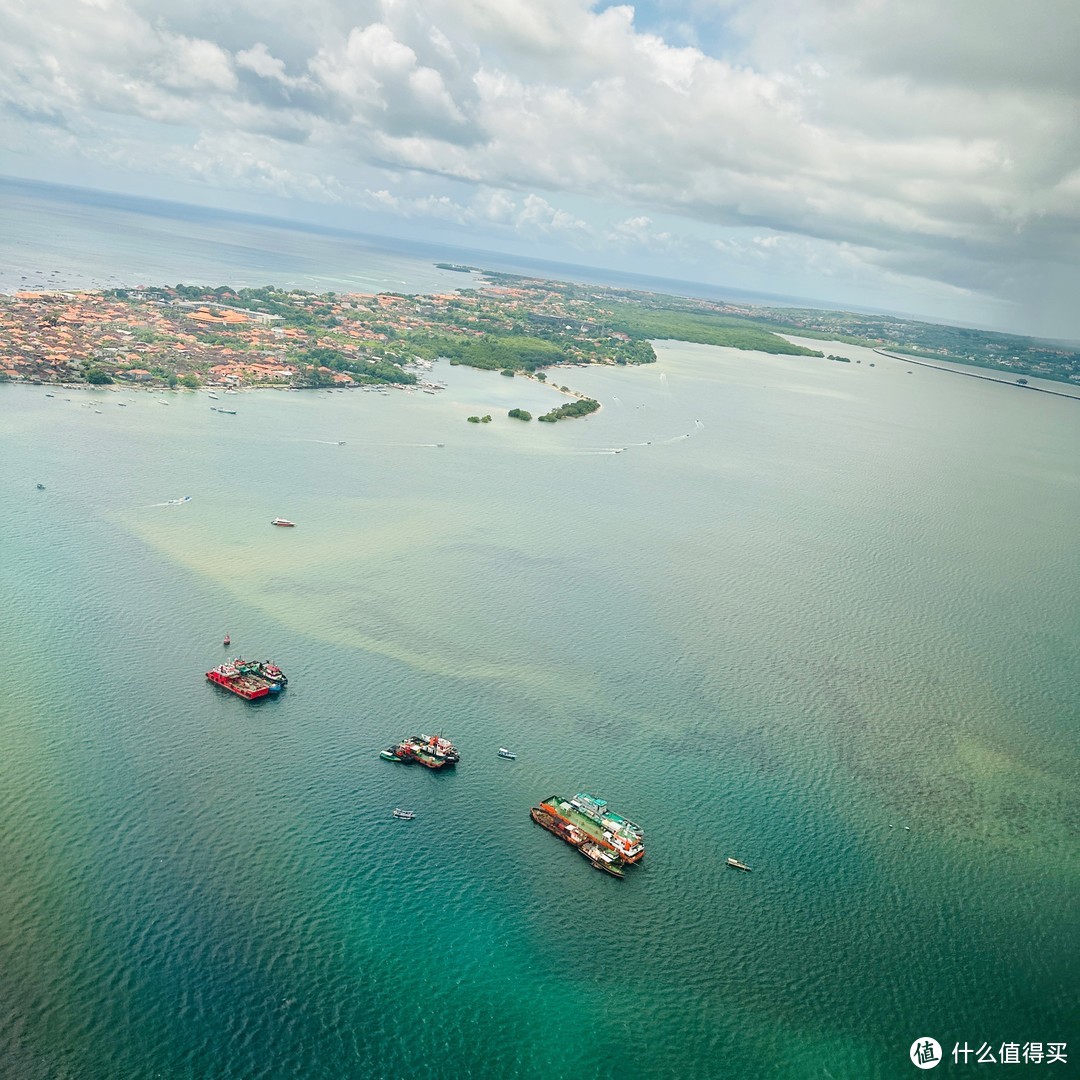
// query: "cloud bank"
[[855, 150]]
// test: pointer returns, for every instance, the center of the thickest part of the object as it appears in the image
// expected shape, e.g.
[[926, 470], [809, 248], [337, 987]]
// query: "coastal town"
[[190, 336]]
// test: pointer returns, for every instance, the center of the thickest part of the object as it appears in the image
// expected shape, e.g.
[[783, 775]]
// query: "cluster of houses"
[[59, 336]]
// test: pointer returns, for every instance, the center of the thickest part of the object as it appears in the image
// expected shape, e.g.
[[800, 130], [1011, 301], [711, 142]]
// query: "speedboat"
[[41, 487], [284, 523], [503, 752], [735, 864], [405, 815]]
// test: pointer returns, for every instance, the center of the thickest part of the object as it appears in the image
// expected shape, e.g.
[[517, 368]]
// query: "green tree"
[[520, 414], [572, 408]]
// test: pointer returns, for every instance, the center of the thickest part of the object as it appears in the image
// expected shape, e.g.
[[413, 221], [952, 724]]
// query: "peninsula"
[[195, 335], [192, 335]]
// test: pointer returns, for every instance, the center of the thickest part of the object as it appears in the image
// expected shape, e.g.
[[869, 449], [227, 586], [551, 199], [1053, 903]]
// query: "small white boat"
[[284, 523], [405, 815], [508, 754]]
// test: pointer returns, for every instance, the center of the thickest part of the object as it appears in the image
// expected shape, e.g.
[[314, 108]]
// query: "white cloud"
[[639, 233], [537, 214], [259, 60], [192, 65]]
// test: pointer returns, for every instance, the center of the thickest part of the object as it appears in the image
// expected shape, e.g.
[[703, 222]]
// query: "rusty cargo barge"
[[608, 840]]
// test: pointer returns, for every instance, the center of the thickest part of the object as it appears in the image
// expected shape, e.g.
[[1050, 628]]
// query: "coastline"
[[976, 375]]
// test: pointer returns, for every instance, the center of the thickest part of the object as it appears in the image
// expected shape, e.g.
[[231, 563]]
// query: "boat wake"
[[698, 427], [402, 446]]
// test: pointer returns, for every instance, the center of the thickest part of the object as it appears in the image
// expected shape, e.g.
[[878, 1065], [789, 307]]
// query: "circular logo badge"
[[925, 1053]]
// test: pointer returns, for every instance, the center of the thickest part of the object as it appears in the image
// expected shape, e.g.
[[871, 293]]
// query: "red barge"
[[249, 679]]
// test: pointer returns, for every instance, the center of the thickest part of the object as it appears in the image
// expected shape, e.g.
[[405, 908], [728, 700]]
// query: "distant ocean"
[[60, 237], [819, 617]]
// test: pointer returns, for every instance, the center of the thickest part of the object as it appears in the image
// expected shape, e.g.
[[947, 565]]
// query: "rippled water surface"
[[820, 617]]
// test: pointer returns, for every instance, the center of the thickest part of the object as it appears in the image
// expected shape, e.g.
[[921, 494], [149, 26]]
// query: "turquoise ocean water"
[[820, 617]]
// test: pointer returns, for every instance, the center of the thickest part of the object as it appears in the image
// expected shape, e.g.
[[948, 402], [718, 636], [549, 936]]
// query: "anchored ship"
[[431, 750], [592, 816], [249, 679], [599, 857]]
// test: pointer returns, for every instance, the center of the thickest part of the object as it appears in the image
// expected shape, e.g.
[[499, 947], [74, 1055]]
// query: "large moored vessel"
[[249, 679], [601, 858], [592, 816], [431, 750]]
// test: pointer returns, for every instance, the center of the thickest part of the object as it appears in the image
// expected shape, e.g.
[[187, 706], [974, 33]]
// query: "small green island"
[[569, 410]]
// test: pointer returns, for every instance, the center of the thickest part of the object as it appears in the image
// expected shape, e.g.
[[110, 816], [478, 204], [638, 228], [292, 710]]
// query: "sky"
[[911, 155]]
